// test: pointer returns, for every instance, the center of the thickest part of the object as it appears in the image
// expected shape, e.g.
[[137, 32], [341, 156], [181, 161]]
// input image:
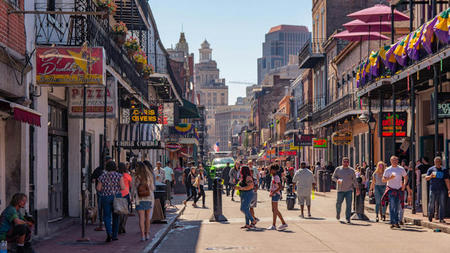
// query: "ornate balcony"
[[304, 112], [311, 54], [335, 110]]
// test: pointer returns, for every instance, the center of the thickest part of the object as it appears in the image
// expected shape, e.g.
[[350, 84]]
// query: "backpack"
[[143, 190]]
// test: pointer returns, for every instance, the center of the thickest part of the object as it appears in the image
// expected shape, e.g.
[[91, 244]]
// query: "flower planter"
[[102, 9], [120, 38]]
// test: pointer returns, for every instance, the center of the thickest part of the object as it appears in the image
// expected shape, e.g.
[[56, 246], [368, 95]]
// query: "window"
[[14, 3]]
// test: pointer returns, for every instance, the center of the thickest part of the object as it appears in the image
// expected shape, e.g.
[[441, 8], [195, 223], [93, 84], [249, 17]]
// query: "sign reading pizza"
[[387, 124], [69, 66], [320, 143]]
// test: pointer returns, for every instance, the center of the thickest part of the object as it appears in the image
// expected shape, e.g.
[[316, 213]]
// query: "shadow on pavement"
[[355, 224], [313, 218], [182, 238]]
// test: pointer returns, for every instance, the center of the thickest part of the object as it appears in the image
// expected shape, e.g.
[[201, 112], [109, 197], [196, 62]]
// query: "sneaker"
[[392, 226], [430, 219], [348, 221], [283, 227], [309, 216], [397, 225], [338, 216], [401, 223], [272, 227]]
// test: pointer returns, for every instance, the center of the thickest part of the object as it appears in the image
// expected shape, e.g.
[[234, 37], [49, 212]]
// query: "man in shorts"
[[304, 179]]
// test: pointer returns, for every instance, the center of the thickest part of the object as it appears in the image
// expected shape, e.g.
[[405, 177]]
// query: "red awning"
[[22, 113]]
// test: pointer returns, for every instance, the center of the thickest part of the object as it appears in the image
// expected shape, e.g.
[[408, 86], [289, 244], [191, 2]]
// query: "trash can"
[[179, 187], [321, 181], [327, 181], [160, 193]]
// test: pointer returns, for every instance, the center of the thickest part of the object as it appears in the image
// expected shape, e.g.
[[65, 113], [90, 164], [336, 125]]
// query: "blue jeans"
[[100, 208], [348, 203], [108, 215], [437, 196], [394, 207], [246, 198], [379, 191]]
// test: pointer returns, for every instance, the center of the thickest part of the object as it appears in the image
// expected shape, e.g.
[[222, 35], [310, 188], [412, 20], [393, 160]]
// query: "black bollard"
[[217, 202]]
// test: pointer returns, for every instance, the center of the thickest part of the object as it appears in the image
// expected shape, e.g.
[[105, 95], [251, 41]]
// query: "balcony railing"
[[305, 110], [312, 48], [344, 104], [74, 30]]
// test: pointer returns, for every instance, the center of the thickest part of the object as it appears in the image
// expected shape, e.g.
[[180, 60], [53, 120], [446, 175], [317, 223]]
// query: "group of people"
[[194, 179]]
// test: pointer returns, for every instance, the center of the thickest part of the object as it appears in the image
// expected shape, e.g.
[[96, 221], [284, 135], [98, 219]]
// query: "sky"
[[235, 30]]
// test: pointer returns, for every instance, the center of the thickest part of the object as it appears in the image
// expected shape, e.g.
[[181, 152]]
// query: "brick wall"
[[12, 28]]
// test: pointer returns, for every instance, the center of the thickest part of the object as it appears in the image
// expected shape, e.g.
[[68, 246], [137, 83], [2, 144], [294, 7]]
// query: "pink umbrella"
[[361, 26], [378, 13], [360, 36]]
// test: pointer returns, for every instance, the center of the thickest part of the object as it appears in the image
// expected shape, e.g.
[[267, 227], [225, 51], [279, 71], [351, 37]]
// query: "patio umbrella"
[[378, 13], [361, 26]]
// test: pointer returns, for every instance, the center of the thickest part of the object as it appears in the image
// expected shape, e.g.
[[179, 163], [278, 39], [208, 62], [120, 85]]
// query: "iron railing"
[[305, 110], [344, 104]]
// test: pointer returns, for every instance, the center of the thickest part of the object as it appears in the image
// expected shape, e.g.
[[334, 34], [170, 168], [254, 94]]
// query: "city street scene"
[[224, 126]]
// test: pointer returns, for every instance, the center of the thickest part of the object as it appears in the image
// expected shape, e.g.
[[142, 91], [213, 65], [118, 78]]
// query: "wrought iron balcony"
[[311, 54], [74, 30], [304, 112], [340, 106]]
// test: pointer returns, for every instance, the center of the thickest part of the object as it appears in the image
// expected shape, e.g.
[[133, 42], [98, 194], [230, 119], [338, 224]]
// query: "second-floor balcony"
[[311, 54], [304, 112], [335, 110]]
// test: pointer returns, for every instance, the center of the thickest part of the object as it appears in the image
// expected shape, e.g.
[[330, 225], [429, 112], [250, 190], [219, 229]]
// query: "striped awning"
[[140, 132]]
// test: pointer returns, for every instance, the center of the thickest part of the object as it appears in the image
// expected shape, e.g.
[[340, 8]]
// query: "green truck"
[[218, 164]]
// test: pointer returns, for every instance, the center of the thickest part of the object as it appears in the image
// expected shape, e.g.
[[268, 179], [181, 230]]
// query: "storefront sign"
[[173, 146], [152, 115], [287, 153], [387, 124], [140, 144], [169, 114], [342, 138], [69, 66], [320, 143], [443, 105], [95, 101], [271, 152], [303, 140]]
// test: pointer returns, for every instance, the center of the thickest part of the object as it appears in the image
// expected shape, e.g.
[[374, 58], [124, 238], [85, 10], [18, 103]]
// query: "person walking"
[[393, 176], [275, 194], [254, 201], [95, 175], [191, 180], [127, 180], [246, 193], [233, 175], [187, 183], [268, 179], [110, 184], [378, 187], [345, 179], [226, 178], [200, 184], [144, 187], [169, 180], [160, 175], [438, 177], [304, 180]]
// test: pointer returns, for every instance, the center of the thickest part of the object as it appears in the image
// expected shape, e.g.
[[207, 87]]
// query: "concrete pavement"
[[322, 233]]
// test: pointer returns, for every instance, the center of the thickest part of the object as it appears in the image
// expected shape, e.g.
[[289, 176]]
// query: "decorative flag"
[[414, 44], [216, 147], [400, 51], [441, 28], [390, 61], [428, 35], [183, 128], [374, 63]]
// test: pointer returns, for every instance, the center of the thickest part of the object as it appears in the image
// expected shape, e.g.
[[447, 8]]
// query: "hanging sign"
[[95, 101], [152, 115], [387, 124], [69, 66], [155, 144], [303, 139], [342, 138], [287, 153], [169, 114], [173, 146], [443, 105], [320, 143]]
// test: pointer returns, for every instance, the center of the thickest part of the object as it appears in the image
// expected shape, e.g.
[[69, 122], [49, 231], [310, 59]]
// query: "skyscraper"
[[281, 42]]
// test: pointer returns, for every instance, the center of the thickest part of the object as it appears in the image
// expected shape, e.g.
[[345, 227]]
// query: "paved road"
[[322, 233]]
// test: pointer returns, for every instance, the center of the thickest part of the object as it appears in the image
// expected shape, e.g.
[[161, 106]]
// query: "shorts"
[[276, 198], [144, 205], [303, 199], [254, 200]]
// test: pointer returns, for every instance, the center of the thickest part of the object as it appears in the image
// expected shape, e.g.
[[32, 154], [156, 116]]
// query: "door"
[[57, 170]]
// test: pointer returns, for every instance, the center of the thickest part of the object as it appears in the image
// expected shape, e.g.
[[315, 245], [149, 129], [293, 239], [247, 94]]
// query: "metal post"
[[392, 23], [380, 126], [435, 109], [104, 127], [394, 119], [370, 135], [119, 134], [413, 119], [83, 170]]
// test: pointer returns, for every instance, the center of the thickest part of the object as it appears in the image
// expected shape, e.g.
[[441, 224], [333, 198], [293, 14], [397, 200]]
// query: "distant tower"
[[182, 45], [205, 52]]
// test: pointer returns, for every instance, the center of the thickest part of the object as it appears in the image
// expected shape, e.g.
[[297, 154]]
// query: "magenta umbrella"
[[378, 13], [360, 36], [361, 26]]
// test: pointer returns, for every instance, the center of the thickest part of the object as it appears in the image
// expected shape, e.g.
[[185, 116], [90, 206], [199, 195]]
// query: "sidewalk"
[[66, 240], [416, 219]]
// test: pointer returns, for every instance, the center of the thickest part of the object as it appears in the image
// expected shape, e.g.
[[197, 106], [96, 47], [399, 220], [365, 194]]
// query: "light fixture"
[[371, 122], [364, 118]]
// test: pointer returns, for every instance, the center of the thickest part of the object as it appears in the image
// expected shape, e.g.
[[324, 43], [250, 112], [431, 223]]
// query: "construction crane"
[[244, 83]]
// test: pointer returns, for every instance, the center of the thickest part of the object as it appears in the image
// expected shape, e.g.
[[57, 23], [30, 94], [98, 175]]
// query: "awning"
[[188, 110], [311, 61], [21, 113], [140, 136]]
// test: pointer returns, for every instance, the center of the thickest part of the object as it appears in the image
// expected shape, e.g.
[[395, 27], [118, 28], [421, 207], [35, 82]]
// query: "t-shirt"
[[187, 180], [438, 183], [348, 177], [289, 179], [7, 220], [255, 172], [127, 181], [233, 176], [304, 179], [96, 174], [168, 172], [275, 181], [110, 183], [395, 183], [424, 168], [159, 175]]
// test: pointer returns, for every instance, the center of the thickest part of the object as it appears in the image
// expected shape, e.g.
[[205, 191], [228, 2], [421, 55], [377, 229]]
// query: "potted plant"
[[147, 71], [120, 33], [106, 5], [132, 46], [140, 59]]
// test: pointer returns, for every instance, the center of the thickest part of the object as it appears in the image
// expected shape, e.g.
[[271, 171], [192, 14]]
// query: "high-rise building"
[[210, 89], [281, 42]]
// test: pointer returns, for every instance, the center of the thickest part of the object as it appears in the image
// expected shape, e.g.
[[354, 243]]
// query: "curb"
[[162, 233], [417, 222]]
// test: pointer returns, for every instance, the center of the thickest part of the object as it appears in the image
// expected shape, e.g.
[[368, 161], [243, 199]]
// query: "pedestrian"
[[233, 175], [345, 179], [304, 180], [144, 187], [254, 170], [393, 176], [14, 227], [262, 175], [200, 183], [159, 173], [110, 184], [95, 175], [254, 201], [377, 188], [226, 178], [361, 185], [268, 179], [169, 181], [275, 194], [424, 165], [330, 167], [245, 188], [438, 177], [187, 183], [191, 178], [127, 180]]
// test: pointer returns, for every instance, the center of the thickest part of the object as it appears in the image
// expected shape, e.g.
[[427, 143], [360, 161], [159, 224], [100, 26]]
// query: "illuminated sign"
[[69, 66], [144, 115], [387, 124], [320, 143], [287, 153], [303, 140], [341, 138]]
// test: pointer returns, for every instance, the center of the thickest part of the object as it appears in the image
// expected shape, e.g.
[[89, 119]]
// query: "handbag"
[[120, 205]]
